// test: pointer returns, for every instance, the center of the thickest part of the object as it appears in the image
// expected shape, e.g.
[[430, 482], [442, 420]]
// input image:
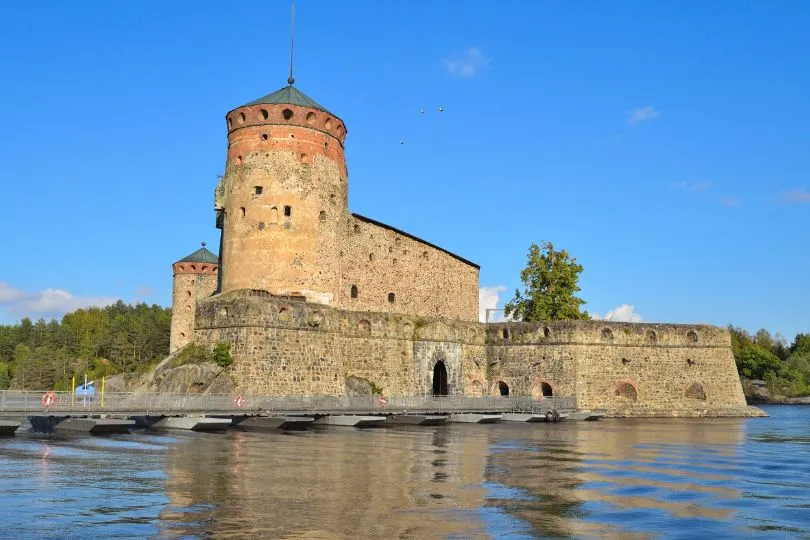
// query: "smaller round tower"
[[195, 278]]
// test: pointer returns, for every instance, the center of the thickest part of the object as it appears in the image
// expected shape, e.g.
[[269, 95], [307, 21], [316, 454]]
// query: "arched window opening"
[[627, 391], [274, 215], [188, 293], [391, 298], [242, 210], [503, 388], [692, 336], [287, 211], [546, 332], [365, 326], [505, 333], [287, 114], [439, 379], [322, 216], [546, 389], [284, 314], [607, 334], [264, 114], [354, 291], [695, 391]]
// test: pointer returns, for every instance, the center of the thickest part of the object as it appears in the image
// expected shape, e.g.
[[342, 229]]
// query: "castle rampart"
[[287, 346]]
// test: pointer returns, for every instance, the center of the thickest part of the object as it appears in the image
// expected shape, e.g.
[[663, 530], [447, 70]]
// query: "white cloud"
[[623, 313], [642, 114], [467, 64], [47, 303], [799, 196], [488, 298], [143, 291], [697, 186]]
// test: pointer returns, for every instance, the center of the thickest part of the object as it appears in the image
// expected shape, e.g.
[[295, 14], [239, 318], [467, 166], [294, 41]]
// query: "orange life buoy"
[[239, 401], [48, 399]]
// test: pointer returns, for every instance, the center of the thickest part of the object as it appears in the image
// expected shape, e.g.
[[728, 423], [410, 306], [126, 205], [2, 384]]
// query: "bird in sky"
[[441, 109]]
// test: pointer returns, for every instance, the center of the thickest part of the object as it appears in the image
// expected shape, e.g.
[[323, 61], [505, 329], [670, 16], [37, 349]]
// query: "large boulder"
[[172, 375]]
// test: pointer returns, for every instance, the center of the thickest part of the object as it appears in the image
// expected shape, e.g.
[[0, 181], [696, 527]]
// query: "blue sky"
[[665, 145]]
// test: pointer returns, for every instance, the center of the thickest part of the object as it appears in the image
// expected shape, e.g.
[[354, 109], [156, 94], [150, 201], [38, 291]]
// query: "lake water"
[[673, 478]]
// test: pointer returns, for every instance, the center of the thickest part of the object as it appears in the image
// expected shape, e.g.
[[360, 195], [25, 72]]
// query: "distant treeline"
[[785, 368], [119, 338]]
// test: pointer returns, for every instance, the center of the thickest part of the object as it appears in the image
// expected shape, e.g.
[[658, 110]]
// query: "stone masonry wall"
[[393, 272], [624, 368], [285, 346]]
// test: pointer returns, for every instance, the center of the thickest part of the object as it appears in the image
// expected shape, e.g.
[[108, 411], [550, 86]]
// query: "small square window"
[[287, 211], [258, 190]]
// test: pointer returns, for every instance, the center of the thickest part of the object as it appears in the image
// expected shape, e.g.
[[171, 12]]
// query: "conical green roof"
[[202, 255], [289, 95]]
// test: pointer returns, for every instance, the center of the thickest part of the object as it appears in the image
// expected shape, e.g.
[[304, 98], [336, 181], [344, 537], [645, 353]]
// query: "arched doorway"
[[439, 379], [546, 389], [503, 388]]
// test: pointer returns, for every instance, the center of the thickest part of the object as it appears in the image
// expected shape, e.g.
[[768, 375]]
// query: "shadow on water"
[[625, 478]]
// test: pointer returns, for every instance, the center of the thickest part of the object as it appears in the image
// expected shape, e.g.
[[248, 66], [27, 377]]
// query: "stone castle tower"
[[282, 204], [195, 278]]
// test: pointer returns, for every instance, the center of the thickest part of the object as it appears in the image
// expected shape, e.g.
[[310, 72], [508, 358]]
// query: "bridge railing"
[[131, 403]]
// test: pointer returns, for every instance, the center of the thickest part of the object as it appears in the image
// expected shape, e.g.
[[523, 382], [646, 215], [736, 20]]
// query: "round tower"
[[195, 278], [283, 198]]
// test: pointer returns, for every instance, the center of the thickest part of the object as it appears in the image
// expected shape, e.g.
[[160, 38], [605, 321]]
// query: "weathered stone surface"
[[205, 377], [622, 368], [423, 280]]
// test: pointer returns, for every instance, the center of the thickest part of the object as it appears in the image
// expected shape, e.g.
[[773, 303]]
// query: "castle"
[[316, 300]]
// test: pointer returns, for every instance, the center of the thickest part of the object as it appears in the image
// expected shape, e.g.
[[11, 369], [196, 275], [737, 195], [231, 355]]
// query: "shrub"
[[222, 354]]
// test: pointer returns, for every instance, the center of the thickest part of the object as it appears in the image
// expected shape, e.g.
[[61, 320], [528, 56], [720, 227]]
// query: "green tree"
[[20, 364], [801, 345], [551, 283], [755, 362], [5, 376]]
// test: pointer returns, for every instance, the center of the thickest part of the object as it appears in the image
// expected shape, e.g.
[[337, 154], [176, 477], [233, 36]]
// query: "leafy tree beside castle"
[[551, 283]]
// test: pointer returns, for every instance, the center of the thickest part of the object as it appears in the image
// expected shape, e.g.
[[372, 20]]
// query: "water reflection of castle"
[[442, 481]]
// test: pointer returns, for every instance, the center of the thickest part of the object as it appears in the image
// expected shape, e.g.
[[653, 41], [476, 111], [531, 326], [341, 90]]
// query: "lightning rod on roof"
[[291, 79]]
